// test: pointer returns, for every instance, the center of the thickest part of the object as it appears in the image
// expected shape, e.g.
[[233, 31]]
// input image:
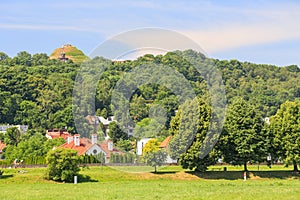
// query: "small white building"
[[21, 128], [140, 145]]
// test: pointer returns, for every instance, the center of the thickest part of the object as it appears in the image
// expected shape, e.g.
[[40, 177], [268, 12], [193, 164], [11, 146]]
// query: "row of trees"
[[246, 137]]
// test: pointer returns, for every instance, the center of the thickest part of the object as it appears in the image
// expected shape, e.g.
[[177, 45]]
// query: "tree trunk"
[[245, 166], [295, 166], [155, 169]]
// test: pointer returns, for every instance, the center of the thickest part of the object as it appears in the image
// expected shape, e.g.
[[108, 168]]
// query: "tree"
[[148, 128], [125, 145], [189, 128], [116, 133], [138, 108], [243, 139], [23, 58], [62, 165], [12, 136], [29, 114], [39, 59], [285, 126], [31, 147], [153, 155]]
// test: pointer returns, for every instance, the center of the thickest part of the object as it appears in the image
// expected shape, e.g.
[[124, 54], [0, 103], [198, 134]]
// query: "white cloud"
[[266, 26], [37, 27]]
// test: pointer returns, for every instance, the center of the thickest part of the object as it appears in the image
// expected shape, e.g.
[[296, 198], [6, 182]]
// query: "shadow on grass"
[[276, 174], [85, 178], [163, 172], [6, 176], [235, 175]]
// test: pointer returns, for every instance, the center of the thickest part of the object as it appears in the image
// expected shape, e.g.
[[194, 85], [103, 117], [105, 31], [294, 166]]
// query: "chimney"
[[77, 140], [94, 139], [69, 139], [110, 145]]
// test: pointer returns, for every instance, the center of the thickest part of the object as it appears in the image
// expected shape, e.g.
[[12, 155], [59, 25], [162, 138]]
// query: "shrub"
[[62, 165]]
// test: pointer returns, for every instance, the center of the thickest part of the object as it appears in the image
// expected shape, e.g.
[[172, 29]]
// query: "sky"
[[264, 32]]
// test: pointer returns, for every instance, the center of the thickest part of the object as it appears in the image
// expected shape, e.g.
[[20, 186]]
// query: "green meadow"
[[170, 182]]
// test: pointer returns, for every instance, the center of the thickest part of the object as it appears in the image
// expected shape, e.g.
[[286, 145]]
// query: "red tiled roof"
[[166, 142], [104, 147], [2, 145], [58, 134], [85, 145]]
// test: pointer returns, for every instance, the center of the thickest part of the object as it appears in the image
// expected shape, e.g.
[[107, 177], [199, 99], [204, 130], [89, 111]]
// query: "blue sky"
[[255, 31]]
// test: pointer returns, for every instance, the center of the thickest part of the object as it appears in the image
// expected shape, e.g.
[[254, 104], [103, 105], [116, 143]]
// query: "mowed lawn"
[[169, 183]]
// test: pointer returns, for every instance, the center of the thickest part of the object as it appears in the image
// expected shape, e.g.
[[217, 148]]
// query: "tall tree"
[[285, 126], [116, 133], [243, 139], [189, 128]]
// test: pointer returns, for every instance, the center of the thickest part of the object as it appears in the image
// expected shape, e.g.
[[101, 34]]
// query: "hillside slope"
[[71, 52]]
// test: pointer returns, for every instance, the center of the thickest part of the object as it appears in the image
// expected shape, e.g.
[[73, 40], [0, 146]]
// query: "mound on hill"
[[68, 52]]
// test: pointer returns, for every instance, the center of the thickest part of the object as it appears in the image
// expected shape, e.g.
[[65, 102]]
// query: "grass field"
[[169, 183]]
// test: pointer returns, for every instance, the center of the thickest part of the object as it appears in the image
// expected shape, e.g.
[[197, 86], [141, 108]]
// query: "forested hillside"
[[37, 91]]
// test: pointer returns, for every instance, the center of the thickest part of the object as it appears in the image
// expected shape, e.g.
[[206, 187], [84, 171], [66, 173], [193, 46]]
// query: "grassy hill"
[[71, 53]]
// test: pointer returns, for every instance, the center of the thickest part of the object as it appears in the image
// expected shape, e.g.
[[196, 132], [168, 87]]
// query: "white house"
[[90, 146], [140, 145]]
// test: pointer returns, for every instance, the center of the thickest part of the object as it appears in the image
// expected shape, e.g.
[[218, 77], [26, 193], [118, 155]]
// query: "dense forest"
[[37, 91]]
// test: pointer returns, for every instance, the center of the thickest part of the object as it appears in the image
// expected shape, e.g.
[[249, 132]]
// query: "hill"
[[68, 51], [39, 94]]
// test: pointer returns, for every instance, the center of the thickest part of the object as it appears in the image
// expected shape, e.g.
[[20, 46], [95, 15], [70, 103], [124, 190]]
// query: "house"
[[90, 146], [106, 122], [21, 128], [129, 129], [2, 146], [57, 133], [165, 145], [140, 145]]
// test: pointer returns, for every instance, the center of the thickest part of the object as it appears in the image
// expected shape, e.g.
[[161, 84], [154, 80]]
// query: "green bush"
[[62, 165]]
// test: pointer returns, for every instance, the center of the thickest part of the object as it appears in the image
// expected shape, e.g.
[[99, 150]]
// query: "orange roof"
[[104, 147], [58, 134], [85, 145], [2, 145], [166, 142]]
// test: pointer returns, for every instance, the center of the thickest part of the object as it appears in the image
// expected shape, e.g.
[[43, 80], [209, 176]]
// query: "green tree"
[[138, 108], [116, 133], [23, 58], [30, 114], [189, 128], [31, 147], [12, 136], [243, 139], [62, 165], [148, 128], [285, 126], [125, 145], [39, 59], [153, 155]]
